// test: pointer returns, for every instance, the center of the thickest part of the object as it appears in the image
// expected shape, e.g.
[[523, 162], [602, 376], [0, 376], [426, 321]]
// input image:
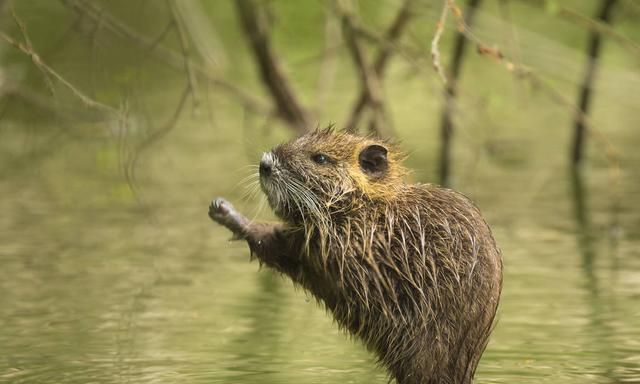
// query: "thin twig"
[[166, 55], [371, 87], [435, 50], [256, 27], [34, 58], [186, 52], [392, 36], [589, 23], [482, 48], [328, 64], [40, 100], [447, 128], [153, 137], [523, 72], [170, 25], [394, 45], [86, 100], [604, 15], [611, 153], [514, 41]]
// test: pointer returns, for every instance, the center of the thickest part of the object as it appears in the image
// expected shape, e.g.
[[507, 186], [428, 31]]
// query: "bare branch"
[[521, 71], [154, 136], [11, 90], [186, 52], [610, 152], [392, 35], [591, 24], [167, 56], [328, 64], [447, 128], [393, 46], [35, 59], [580, 117], [255, 24], [205, 39], [366, 97], [86, 100], [435, 51], [370, 85], [170, 25], [514, 40], [482, 48], [604, 15]]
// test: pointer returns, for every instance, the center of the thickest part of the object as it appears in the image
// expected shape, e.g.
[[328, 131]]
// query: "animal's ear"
[[373, 160]]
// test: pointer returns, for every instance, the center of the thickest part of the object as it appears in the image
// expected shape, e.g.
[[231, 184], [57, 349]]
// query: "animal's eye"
[[320, 158]]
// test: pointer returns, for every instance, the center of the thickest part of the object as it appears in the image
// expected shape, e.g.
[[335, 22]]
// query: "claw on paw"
[[219, 207]]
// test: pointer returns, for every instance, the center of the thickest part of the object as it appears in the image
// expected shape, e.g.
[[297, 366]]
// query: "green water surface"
[[114, 276]]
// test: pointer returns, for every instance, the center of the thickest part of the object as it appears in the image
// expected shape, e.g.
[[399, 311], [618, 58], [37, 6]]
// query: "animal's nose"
[[266, 164]]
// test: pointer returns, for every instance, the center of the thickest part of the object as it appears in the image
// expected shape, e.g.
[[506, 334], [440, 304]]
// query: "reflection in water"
[[584, 231], [96, 287], [259, 350], [602, 309]]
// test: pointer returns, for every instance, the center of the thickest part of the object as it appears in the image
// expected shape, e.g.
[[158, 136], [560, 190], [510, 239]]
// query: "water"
[[103, 281], [96, 291]]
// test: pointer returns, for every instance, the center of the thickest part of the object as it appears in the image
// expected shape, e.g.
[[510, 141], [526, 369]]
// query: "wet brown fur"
[[410, 269]]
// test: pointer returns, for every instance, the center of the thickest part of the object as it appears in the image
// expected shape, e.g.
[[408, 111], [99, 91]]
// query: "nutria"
[[410, 269]]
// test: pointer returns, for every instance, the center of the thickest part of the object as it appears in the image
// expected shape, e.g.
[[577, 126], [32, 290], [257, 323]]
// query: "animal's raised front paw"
[[219, 209]]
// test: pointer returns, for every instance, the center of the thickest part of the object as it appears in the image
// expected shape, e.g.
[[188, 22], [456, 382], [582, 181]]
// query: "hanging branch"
[[256, 27], [514, 40], [130, 167], [577, 151], [162, 35], [162, 53], [186, 52], [372, 36], [371, 88], [41, 65], [391, 37], [35, 59], [483, 49], [328, 64], [523, 72], [594, 25], [459, 46], [435, 42], [611, 153], [446, 126]]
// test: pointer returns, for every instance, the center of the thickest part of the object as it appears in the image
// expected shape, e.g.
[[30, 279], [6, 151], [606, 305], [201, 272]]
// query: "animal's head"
[[326, 171]]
